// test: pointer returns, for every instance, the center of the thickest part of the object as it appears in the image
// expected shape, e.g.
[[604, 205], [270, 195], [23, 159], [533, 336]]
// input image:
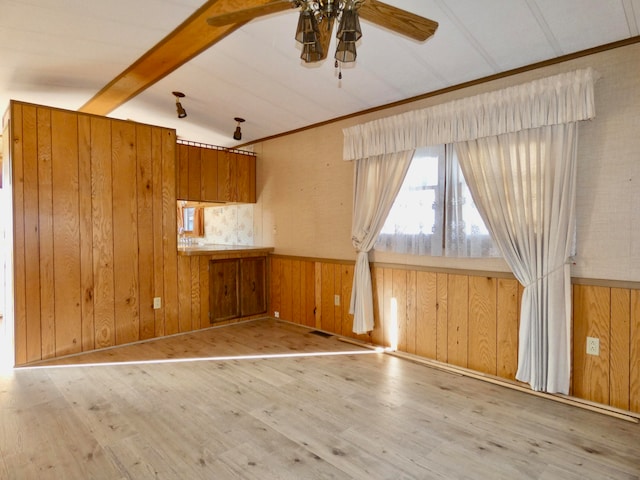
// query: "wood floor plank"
[[268, 399]]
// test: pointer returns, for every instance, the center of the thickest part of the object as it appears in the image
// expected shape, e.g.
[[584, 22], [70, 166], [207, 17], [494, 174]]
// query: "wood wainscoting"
[[94, 214], [466, 319]]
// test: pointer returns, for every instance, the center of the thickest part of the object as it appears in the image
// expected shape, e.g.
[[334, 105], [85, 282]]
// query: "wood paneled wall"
[[466, 320], [94, 231]]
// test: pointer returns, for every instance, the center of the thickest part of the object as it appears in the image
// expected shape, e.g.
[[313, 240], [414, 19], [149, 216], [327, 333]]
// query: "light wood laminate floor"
[[360, 415]]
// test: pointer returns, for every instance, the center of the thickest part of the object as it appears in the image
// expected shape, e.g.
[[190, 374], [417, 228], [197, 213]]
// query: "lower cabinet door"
[[253, 272], [224, 302]]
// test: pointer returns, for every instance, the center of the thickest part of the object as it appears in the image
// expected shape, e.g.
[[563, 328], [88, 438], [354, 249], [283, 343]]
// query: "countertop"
[[226, 250]]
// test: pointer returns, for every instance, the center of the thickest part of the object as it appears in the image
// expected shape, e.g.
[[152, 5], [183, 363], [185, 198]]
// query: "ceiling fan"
[[315, 23]]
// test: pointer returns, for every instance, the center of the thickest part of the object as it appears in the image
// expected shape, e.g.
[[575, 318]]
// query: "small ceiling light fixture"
[[237, 135], [181, 111]]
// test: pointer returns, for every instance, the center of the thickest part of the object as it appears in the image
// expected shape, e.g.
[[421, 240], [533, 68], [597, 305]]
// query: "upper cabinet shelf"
[[215, 175]]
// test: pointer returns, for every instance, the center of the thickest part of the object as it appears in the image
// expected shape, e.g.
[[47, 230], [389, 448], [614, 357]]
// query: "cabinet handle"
[[253, 286]]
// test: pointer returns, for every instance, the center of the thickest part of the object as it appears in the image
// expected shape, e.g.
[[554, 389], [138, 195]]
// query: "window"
[[434, 213]]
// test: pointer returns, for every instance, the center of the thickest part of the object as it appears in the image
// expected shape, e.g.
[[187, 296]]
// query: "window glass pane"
[[434, 198]]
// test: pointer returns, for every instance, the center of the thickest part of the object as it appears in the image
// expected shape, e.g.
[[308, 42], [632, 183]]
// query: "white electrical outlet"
[[276, 314], [157, 303], [336, 300], [593, 346]]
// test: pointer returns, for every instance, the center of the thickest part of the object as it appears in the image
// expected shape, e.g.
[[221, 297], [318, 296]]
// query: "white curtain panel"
[[377, 181], [563, 98], [557, 100], [524, 186]]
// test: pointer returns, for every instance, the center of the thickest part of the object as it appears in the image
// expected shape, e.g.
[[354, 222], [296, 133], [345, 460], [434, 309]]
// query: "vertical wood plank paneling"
[[204, 292], [345, 301], [328, 310], [318, 291], [399, 293], [196, 295], [86, 234], [125, 243], [45, 227], [103, 231], [246, 178], [411, 311], [209, 167], [184, 293], [296, 294], [19, 276], [286, 291], [458, 320], [592, 310], [620, 352], [274, 285], [195, 172], [157, 140], [182, 172], [337, 290], [507, 328], [169, 233], [389, 320], [66, 232], [634, 371], [31, 232], [310, 294], [442, 317], [426, 314], [482, 324], [226, 176], [144, 190], [377, 285]]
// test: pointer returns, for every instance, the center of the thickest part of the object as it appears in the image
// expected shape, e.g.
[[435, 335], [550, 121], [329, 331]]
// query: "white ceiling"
[[61, 52]]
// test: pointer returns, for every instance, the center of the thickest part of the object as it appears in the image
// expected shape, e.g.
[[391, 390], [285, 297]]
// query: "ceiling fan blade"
[[246, 14], [400, 21]]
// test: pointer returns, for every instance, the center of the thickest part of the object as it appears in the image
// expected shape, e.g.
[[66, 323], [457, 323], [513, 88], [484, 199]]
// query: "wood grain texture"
[[66, 233], [86, 232], [379, 327], [19, 276], [507, 328], [144, 193], [442, 318], [620, 348], [89, 177], [286, 282], [482, 324], [45, 228], [411, 312], [182, 172], [399, 294], [286, 417], [195, 173], [31, 234], [426, 315], [327, 295], [337, 295], [169, 233], [209, 168], [125, 240], [458, 320], [246, 178], [592, 307], [196, 294], [634, 362], [103, 232], [184, 293]]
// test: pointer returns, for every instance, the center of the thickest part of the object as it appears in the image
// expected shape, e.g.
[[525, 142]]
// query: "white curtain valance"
[[563, 98]]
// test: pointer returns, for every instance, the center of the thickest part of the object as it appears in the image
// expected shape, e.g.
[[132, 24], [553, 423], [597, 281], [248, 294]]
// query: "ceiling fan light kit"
[[316, 19]]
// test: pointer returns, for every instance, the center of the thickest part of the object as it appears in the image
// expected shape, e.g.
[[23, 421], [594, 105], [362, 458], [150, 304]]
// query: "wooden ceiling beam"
[[189, 39]]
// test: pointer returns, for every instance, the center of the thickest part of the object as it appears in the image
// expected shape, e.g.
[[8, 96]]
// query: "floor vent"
[[321, 334]]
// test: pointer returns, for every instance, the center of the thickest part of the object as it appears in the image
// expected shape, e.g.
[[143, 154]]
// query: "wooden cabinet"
[[253, 271], [215, 175], [238, 288], [225, 289]]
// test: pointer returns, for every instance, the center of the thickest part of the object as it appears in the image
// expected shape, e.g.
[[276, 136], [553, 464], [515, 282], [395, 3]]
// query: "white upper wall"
[[305, 189]]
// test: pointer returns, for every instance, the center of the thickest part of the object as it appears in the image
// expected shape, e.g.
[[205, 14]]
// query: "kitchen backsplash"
[[229, 225]]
